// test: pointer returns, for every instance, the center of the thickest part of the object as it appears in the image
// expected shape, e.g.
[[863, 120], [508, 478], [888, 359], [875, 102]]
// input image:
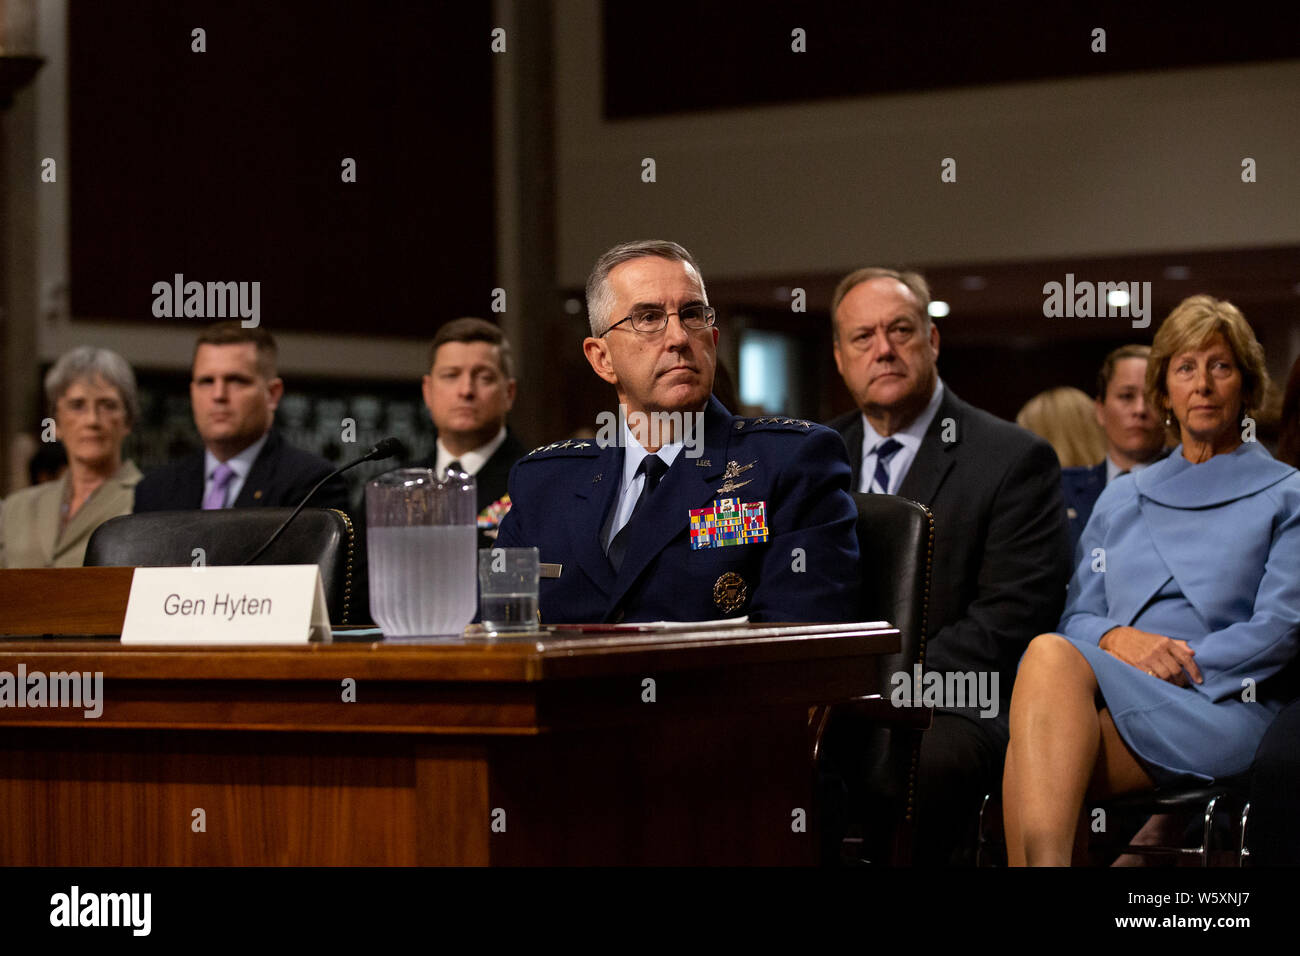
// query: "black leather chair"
[[164, 539], [867, 743], [1224, 808], [1222, 802], [1271, 787]]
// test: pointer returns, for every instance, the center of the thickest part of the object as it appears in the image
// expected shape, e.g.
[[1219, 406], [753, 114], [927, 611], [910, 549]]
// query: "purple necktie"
[[216, 496]]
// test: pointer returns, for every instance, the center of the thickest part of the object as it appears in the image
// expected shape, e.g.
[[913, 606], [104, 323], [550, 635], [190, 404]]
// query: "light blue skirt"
[[1179, 734]]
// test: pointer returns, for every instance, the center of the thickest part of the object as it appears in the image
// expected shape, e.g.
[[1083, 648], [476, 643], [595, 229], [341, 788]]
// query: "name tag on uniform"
[[545, 570], [261, 604], [728, 521]]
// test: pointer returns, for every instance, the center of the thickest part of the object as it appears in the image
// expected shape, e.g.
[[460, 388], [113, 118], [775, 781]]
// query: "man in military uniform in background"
[[680, 510], [469, 390]]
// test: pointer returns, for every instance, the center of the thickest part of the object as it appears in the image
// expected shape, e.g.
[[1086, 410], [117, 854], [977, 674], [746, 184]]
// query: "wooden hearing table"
[[598, 748]]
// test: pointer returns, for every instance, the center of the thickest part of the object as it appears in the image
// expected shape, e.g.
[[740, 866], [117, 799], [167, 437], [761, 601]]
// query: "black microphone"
[[385, 448]]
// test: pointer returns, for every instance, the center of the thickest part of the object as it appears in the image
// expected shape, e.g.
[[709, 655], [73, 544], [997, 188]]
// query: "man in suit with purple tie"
[[234, 391]]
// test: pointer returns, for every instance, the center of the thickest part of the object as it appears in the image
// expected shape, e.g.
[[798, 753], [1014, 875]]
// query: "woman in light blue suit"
[[1186, 602]]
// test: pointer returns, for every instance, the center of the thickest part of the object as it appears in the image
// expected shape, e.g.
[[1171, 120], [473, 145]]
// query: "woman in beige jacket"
[[92, 397]]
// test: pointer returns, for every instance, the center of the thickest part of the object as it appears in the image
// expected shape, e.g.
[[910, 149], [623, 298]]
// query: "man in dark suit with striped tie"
[[1000, 554]]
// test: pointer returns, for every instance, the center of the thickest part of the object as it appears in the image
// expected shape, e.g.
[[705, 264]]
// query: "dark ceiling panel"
[[226, 165], [680, 56]]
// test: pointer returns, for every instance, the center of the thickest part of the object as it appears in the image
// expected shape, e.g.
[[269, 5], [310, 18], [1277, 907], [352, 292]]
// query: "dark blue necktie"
[[886, 450], [653, 467]]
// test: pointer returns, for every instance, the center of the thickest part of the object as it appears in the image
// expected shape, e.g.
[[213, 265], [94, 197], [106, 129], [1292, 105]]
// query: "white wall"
[[1119, 164]]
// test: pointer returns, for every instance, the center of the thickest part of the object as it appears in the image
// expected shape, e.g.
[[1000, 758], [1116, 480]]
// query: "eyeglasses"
[[656, 320]]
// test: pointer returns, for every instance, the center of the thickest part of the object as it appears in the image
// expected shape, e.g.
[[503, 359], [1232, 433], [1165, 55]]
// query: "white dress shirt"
[[1113, 470], [471, 462], [909, 437]]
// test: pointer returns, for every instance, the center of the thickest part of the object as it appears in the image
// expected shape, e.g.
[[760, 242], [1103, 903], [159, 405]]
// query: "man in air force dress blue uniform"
[[739, 516]]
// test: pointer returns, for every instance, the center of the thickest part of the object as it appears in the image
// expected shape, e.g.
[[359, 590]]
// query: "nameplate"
[[260, 604]]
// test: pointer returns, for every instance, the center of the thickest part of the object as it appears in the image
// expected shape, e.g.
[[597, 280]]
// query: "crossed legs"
[[1063, 749]]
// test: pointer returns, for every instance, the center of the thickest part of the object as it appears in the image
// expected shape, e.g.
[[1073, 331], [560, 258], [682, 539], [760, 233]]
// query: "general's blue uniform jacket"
[[805, 570]]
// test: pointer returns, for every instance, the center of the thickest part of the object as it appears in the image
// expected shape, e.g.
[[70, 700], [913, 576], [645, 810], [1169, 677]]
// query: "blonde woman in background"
[[1065, 418]]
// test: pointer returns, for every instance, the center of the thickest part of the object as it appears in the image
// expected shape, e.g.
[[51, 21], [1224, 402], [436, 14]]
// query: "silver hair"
[[600, 298], [914, 281], [86, 363]]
